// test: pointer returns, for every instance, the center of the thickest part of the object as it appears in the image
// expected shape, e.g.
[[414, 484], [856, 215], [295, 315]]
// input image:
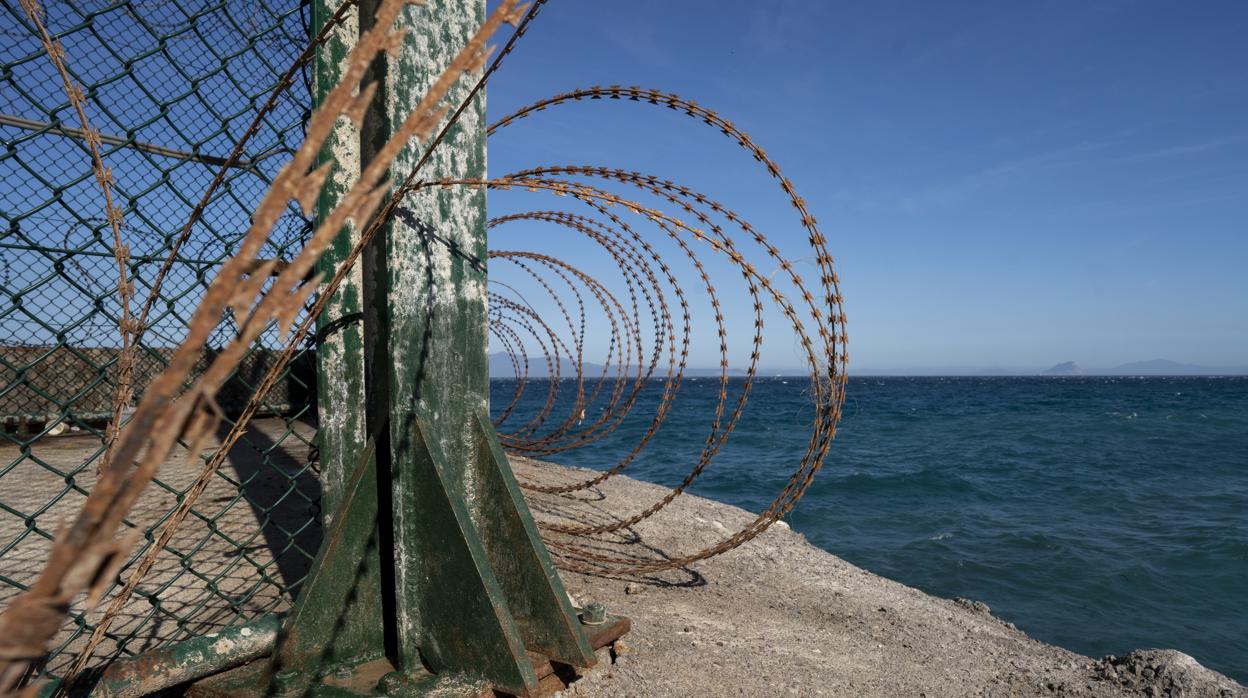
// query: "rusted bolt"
[[594, 613], [284, 682]]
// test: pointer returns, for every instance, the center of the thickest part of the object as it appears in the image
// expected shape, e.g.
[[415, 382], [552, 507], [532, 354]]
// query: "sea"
[[1100, 514]]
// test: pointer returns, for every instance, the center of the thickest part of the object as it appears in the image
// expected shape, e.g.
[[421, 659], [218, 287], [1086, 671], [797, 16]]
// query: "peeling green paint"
[[164, 668]]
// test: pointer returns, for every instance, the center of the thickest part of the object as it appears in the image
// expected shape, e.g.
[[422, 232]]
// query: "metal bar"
[[524, 569], [180, 662], [436, 251], [340, 349], [330, 624], [32, 125], [472, 588], [279, 265], [340, 619], [134, 259]]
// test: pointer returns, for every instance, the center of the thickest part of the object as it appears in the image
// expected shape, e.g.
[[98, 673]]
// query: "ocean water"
[[1099, 514]]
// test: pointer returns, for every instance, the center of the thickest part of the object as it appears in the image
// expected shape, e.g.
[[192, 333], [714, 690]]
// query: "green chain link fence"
[[171, 85]]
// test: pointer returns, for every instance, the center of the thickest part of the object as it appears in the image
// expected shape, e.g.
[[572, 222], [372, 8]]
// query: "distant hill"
[[1066, 368], [1165, 367], [876, 372], [502, 367], [1154, 367]]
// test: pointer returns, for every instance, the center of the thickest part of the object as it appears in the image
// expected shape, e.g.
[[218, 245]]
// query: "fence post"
[[434, 271], [431, 557], [474, 589]]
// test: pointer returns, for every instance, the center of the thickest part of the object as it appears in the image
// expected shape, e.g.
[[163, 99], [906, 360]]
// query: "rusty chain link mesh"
[[170, 87]]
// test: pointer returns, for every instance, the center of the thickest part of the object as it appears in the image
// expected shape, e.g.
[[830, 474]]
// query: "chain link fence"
[[171, 85]]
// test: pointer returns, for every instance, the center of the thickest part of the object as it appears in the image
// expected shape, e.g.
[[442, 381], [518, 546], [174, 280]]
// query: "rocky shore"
[[779, 617]]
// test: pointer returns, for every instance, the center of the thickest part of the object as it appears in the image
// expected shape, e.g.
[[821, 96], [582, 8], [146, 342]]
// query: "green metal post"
[[340, 346], [431, 560], [436, 250], [435, 288], [452, 610]]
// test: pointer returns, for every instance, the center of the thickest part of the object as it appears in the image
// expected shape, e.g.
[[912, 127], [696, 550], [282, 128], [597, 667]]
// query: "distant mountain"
[[875, 372], [1066, 368], [502, 367], [1165, 367], [1155, 367]]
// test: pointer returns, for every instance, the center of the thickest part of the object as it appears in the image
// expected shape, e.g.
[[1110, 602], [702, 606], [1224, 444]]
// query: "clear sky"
[[1002, 184]]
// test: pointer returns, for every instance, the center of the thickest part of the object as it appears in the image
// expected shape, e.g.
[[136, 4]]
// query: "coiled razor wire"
[[650, 320], [710, 225]]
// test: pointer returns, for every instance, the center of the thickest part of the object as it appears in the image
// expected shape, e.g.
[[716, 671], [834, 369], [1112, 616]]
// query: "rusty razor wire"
[[158, 299]]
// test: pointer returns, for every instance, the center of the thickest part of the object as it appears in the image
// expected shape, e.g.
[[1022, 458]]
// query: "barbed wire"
[[650, 321]]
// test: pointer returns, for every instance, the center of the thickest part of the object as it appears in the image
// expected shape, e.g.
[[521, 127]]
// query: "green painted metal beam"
[[341, 431], [458, 611], [427, 532], [436, 250], [434, 272], [342, 428], [331, 625]]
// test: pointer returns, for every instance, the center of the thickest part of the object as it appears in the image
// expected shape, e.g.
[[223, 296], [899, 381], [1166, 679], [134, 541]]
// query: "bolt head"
[[283, 682], [594, 612]]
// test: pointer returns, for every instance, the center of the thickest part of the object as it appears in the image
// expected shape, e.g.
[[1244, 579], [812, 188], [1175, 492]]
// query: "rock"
[[632, 588], [1066, 368], [972, 605], [1166, 673]]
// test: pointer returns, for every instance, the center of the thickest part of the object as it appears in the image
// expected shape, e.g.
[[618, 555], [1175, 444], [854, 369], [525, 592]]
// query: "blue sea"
[[1099, 514]]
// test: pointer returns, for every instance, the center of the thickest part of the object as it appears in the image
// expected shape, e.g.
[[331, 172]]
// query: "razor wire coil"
[[200, 99]]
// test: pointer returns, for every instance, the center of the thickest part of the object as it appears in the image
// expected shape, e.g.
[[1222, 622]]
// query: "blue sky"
[[1002, 184]]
